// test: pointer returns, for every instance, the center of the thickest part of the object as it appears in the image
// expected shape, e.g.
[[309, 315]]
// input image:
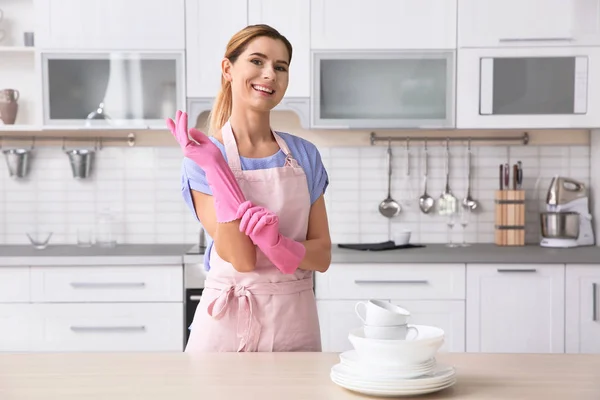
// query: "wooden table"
[[285, 376]]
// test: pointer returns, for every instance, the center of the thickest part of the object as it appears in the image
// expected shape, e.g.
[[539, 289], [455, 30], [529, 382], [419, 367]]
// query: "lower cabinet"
[[515, 308], [582, 328], [94, 309], [493, 308]]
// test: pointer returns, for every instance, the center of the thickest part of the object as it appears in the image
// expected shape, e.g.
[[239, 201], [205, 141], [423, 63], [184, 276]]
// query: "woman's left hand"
[[261, 224]]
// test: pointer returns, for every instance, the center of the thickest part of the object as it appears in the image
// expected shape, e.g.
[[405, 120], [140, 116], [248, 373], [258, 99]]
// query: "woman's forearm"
[[234, 246], [317, 256]]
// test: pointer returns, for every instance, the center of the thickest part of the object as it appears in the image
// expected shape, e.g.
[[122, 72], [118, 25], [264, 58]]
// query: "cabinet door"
[[337, 318], [110, 24], [18, 330], [515, 308], [384, 24], [529, 23], [292, 19], [583, 309], [206, 40], [14, 284]]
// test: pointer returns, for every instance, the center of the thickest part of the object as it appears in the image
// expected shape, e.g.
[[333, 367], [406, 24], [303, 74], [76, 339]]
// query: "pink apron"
[[263, 310]]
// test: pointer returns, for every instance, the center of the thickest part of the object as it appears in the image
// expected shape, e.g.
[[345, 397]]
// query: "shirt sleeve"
[[320, 179], [192, 178]]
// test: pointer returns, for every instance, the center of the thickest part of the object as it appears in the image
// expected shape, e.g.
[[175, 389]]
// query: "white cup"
[[381, 313], [398, 332]]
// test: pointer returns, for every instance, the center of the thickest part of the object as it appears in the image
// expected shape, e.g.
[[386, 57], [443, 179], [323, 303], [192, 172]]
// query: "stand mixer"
[[567, 222]]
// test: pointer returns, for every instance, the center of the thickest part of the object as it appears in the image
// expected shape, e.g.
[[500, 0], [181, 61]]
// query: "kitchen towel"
[[389, 245]]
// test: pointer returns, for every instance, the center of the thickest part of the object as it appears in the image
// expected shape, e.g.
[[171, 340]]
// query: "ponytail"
[[221, 110]]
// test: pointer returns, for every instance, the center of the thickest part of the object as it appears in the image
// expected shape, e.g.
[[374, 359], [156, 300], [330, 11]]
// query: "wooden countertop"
[[286, 376]]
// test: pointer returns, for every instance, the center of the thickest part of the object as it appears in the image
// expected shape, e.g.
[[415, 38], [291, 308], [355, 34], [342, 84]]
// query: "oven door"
[[192, 299], [529, 88]]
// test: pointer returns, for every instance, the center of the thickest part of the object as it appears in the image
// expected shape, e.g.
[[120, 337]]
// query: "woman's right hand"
[[225, 190], [200, 149]]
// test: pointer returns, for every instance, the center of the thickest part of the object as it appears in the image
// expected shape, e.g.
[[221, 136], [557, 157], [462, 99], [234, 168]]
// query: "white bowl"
[[402, 237], [392, 352]]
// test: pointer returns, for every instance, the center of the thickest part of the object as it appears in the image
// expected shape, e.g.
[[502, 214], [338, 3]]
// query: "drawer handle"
[[410, 282], [108, 328], [516, 270], [594, 302], [107, 285], [536, 39], [195, 298]]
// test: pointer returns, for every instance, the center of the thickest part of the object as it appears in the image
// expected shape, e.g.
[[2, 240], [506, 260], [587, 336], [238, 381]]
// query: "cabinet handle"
[[594, 302], [536, 39], [108, 328], [417, 282], [106, 285], [516, 270], [195, 298]]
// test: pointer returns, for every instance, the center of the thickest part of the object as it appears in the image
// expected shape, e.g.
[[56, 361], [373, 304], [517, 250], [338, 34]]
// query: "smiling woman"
[[261, 200]]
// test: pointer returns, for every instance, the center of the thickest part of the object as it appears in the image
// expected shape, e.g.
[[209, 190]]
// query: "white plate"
[[441, 375], [396, 392]]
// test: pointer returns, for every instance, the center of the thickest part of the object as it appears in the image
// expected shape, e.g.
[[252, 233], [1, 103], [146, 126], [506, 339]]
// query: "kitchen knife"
[[501, 176], [506, 176], [520, 177], [515, 177]]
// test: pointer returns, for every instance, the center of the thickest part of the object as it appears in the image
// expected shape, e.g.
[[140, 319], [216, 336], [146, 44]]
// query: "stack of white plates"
[[379, 383], [384, 367]]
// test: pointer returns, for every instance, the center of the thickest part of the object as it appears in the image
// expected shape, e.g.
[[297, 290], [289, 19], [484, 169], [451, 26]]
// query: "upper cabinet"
[[110, 24], [383, 24], [206, 40], [493, 23]]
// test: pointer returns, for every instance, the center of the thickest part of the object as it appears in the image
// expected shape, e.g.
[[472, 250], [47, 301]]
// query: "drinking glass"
[[465, 218], [450, 221]]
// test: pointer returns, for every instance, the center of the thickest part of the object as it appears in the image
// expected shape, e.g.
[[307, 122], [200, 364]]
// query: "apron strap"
[[233, 154]]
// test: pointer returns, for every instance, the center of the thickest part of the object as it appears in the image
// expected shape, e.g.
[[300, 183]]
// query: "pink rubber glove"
[[225, 190], [262, 226]]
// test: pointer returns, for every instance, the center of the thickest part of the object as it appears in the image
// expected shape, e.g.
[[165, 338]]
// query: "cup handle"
[[356, 309], [17, 95], [415, 330]]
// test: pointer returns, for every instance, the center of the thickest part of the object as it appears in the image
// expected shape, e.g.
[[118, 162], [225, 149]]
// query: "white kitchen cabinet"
[[14, 284], [338, 317], [110, 24], [530, 23], [582, 309], [18, 327], [91, 308], [292, 19], [383, 24], [207, 36], [110, 327], [515, 308]]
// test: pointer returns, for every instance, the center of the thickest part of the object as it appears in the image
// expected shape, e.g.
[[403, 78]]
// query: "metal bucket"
[[81, 162], [17, 161]]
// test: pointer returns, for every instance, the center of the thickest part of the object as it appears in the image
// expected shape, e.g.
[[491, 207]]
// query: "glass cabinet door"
[[383, 90], [112, 90]]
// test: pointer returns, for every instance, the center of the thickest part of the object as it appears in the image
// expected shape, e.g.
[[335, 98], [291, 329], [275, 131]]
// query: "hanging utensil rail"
[[523, 138], [130, 139]]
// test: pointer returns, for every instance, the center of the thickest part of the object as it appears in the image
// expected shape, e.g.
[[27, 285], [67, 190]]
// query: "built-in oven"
[[192, 298], [195, 275], [546, 87]]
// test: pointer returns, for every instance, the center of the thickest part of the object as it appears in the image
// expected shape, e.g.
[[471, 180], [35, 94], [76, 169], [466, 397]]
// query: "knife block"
[[510, 218]]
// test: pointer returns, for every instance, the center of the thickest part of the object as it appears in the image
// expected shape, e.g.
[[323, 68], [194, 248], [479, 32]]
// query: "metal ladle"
[[426, 202], [389, 207], [468, 201]]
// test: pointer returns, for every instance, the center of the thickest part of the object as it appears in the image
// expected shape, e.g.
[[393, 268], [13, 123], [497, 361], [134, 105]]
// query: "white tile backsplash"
[[142, 187]]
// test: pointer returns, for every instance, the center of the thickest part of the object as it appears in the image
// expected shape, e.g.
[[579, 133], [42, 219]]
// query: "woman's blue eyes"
[[257, 61]]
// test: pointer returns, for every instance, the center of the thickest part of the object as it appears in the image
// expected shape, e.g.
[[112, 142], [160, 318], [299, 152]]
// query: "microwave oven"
[[528, 88]]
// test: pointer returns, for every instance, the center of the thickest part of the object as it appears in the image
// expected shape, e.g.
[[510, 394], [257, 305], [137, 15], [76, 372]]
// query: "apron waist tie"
[[248, 327]]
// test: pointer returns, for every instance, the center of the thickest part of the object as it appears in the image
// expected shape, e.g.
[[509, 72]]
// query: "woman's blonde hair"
[[221, 110]]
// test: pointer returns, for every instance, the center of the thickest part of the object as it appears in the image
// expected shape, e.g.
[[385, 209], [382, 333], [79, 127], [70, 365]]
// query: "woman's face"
[[259, 77]]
